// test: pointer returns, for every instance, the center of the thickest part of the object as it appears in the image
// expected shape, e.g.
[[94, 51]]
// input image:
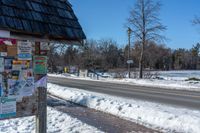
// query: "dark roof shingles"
[[44, 17]]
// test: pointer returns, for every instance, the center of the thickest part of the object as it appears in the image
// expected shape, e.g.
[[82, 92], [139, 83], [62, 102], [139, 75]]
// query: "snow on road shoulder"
[[169, 80], [152, 115], [168, 84], [57, 122]]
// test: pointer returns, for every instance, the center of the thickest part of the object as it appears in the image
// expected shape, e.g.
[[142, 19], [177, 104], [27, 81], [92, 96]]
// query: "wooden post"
[[41, 117]]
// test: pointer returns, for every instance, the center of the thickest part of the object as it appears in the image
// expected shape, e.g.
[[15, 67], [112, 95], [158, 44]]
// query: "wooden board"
[[28, 106]]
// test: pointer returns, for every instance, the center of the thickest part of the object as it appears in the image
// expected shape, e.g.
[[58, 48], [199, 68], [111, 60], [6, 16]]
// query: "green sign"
[[40, 64]]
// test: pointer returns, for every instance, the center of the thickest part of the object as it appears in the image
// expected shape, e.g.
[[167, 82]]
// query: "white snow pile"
[[153, 115], [64, 75], [57, 122], [168, 84], [165, 79]]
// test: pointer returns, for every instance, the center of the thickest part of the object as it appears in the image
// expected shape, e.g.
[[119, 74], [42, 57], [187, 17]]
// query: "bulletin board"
[[23, 68]]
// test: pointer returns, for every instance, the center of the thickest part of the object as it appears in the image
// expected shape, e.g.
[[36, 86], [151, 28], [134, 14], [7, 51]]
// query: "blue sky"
[[102, 19]]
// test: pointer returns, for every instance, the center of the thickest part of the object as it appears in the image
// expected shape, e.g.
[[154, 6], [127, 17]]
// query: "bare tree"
[[145, 25], [196, 21], [55, 51]]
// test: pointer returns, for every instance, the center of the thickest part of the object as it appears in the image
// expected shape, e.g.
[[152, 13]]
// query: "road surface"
[[177, 98]]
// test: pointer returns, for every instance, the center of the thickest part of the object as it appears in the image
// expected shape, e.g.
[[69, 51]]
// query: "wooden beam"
[[38, 39]]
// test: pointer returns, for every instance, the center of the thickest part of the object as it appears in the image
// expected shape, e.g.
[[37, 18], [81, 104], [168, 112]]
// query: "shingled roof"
[[52, 19]]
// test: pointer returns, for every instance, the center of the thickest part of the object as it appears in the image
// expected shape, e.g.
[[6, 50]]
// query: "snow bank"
[[168, 84], [57, 122], [153, 115], [179, 75]]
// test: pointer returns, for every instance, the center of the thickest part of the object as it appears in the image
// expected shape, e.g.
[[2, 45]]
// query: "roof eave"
[[39, 37]]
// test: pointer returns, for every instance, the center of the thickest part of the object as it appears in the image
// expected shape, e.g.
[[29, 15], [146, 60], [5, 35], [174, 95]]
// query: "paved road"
[[188, 99]]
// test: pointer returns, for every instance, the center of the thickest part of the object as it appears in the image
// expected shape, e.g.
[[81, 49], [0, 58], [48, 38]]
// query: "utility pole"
[[129, 43]]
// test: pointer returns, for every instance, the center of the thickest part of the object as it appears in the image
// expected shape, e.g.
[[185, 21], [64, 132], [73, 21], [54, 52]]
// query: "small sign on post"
[[40, 64], [129, 61]]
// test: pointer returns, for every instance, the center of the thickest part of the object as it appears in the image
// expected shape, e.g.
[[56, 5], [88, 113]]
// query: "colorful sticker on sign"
[[8, 63], [24, 50], [17, 65], [40, 64], [41, 83], [44, 46], [7, 107], [1, 90], [7, 41], [28, 89], [1, 64]]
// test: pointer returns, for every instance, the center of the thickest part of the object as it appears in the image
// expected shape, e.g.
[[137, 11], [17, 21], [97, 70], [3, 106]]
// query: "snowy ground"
[[167, 79], [153, 115], [58, 122]]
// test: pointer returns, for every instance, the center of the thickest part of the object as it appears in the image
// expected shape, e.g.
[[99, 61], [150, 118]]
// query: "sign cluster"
[[20, 61]]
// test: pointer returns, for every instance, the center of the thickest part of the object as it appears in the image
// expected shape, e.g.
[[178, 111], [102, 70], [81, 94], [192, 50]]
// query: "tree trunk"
[[141, 62], [141, 69], [143, 40]]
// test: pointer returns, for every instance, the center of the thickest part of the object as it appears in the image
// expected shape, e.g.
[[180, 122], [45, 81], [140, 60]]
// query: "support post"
[[41, 117]]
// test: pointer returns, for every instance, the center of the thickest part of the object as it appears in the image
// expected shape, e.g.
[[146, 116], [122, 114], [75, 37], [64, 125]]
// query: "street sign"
[[129, 61]]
